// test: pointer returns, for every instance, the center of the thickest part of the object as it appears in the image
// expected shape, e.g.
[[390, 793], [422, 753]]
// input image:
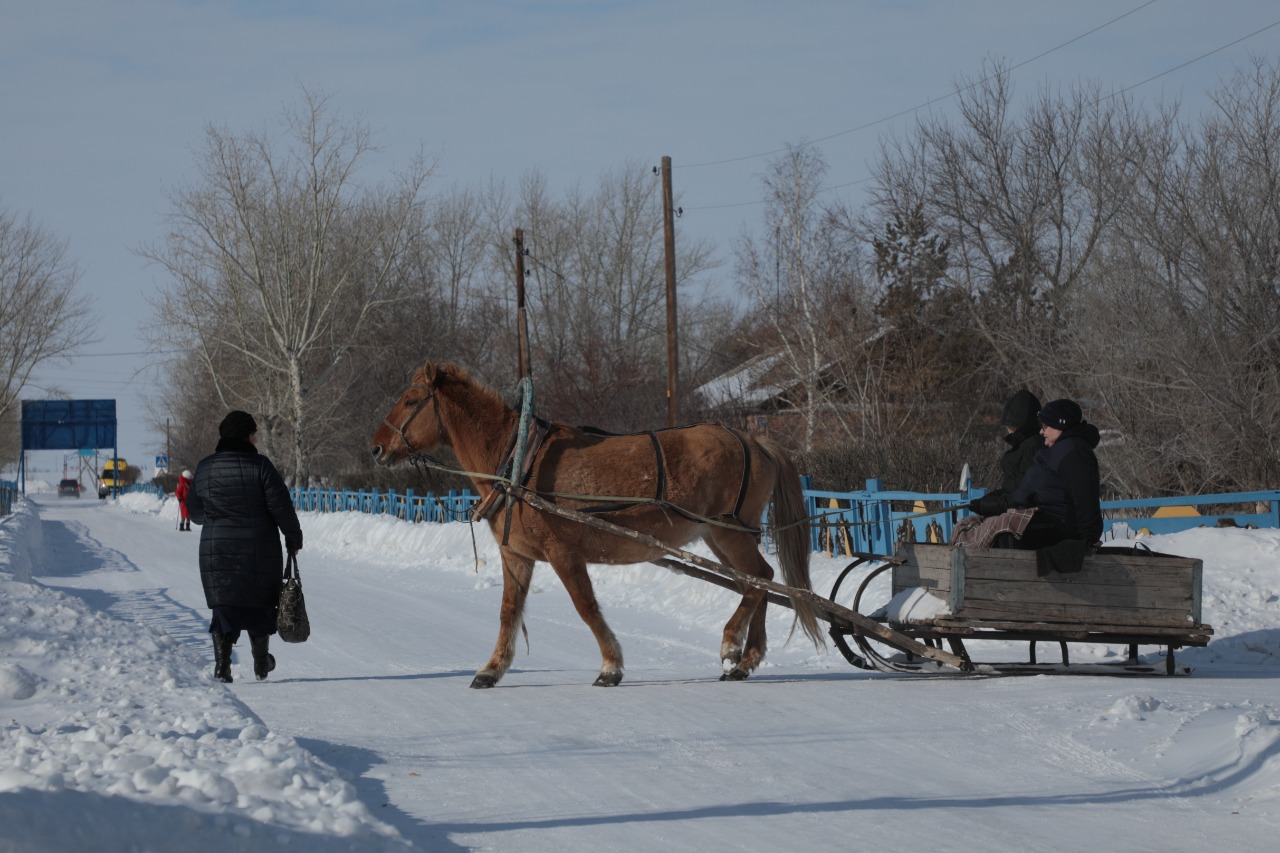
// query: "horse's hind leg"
[[516, 575], [744, 643], [573, 574]]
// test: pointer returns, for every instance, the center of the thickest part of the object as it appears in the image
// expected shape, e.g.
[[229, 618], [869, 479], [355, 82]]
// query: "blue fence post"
[[878, 520], [810, 510]]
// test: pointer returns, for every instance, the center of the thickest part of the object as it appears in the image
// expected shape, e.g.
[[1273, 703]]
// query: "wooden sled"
[[1131, 599]]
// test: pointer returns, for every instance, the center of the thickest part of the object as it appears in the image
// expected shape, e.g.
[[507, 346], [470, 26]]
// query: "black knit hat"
[[237, 424], [1061, 414]]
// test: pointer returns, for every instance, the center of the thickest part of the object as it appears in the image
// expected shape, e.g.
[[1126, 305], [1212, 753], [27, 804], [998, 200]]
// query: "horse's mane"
[[438, 374]]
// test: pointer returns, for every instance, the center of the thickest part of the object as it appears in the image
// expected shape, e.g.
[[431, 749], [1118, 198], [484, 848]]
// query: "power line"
[[929, 102], [1164, 73], [116, 354], [1197, 59], [637, 321]]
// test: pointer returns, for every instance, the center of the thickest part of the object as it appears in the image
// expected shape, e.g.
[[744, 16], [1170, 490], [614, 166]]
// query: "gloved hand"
[[988, 505]]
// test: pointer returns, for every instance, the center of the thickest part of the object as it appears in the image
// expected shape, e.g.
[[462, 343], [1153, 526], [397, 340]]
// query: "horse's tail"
[[791, 533]]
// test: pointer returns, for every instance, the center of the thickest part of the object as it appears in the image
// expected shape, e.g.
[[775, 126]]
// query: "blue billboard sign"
[[68, 424]]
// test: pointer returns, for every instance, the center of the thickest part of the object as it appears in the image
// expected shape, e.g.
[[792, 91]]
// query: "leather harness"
[[537, 437]]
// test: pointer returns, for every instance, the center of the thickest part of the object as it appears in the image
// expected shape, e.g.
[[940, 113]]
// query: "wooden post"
[[669, 243], [523, 366]]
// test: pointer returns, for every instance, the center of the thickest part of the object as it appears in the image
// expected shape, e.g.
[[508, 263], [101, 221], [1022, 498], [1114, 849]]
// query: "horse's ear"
[[429, 373]]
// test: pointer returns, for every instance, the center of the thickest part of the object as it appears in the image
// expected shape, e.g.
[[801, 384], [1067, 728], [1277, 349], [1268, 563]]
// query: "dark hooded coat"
[[1024, 442], [1063, 482], [1020, 412], [243, 505]]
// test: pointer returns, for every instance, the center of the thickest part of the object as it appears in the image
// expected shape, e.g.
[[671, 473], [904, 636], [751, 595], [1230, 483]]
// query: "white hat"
[[187, 473]]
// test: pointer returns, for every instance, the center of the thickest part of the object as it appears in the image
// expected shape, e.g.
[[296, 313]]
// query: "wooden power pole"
[[524, 368], [669, 243]]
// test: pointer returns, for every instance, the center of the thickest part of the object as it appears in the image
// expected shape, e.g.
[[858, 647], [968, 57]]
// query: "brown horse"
[[674, 485]]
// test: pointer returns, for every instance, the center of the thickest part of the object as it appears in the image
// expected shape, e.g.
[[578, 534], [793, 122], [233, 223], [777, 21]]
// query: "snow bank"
[[1241, 591], [121, 727], [19, 540]]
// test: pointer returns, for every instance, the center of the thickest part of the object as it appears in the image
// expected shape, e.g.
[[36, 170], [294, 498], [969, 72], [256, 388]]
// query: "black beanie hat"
[[237, 424], [1061, 414]]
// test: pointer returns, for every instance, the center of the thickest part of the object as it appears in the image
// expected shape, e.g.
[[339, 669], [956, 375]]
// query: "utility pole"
[[523, 366], [669, 244]]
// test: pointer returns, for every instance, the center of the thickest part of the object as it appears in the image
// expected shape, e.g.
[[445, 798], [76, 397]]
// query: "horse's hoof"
[[735, 674], [612, 679], [481, 682]]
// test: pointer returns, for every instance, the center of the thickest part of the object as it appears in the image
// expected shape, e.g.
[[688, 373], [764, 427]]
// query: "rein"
[[509, 486]]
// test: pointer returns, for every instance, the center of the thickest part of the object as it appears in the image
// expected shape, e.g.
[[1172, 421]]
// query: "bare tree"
[[1023, 200], [801, 274], [42, 317], [279, 261], [1189, 365], [597, 297]]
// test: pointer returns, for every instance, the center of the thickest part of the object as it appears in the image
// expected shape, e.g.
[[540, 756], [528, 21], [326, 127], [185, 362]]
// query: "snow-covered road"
[[808, 754]]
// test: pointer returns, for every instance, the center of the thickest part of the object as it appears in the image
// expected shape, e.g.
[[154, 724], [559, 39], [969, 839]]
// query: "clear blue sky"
[[102, 104]]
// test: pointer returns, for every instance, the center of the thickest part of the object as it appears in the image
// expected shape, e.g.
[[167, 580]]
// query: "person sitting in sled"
[[1059, 498]]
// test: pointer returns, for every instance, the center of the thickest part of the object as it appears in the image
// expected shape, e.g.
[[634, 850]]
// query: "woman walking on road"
[[244, 507]]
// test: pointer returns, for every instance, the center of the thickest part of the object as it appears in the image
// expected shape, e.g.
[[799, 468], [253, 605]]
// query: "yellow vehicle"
[[113, 477]]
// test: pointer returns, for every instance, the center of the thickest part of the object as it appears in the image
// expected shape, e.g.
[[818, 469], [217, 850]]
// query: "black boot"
[[222, 657], [263, 661]]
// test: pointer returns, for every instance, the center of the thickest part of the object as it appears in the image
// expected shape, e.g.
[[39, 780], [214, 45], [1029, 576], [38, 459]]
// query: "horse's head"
[[413, 424]]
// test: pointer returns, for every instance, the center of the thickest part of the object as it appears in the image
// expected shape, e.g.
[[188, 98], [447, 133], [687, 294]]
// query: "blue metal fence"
[[143, 488], [8, 494], [865, 521], [406, 505]]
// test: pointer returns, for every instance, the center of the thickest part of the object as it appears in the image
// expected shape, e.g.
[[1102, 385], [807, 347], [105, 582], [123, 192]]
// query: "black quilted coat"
[[243, 506]]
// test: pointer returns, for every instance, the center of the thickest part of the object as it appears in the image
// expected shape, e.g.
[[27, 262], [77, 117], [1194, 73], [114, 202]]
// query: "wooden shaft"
[[827, 608]]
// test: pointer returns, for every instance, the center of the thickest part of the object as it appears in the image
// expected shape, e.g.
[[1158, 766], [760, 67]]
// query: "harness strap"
[[661, 496], [538, 432], [746, 479]]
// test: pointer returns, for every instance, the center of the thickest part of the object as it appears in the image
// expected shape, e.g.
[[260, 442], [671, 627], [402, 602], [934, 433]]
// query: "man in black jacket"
[[1062, 484], [243, 506]]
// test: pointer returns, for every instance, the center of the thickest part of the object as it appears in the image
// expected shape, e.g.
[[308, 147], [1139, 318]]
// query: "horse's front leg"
[[573, 574], [517, 572]]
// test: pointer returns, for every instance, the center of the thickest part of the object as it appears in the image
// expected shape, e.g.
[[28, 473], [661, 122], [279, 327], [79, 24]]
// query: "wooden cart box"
[[1003, 585], [999, 594]]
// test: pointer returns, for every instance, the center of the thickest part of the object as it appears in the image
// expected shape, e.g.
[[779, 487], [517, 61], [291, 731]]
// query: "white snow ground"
[[113, 735]]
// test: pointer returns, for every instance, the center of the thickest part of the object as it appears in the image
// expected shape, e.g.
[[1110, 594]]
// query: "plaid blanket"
[[978, 532]]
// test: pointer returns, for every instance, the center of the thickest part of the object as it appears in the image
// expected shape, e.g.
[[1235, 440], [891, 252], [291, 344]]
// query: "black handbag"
[[292, 623]]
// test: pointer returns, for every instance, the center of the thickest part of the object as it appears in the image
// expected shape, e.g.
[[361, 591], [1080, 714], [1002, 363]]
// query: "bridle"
[[399, 430]]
